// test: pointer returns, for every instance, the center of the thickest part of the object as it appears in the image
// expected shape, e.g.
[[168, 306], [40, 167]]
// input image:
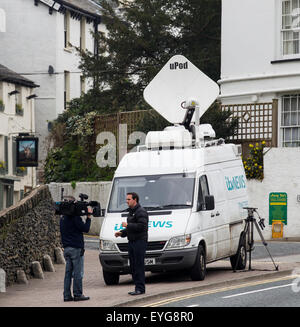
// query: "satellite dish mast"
[[179, 89]]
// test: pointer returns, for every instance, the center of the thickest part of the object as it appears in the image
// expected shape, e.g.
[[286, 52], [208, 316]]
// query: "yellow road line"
[[188, 296]]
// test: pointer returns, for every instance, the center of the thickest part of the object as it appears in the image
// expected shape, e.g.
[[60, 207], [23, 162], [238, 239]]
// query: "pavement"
[[48, 292]]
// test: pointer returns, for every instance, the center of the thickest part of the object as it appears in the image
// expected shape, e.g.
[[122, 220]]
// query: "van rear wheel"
[[111, 278], [198, 271], [239, 260]]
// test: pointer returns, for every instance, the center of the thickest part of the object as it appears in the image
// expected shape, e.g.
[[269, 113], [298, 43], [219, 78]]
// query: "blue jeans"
[[74, 262]]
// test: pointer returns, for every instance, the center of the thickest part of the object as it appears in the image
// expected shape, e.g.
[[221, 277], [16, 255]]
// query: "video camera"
[[70, 207]]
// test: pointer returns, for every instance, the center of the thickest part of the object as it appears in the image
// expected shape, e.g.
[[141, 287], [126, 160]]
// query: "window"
[[66, 88], [290, 27], [156, 192], [2, 106], [67, 29], [2, 21], [82, 33], [19, 104], [290, 120], [3, 155], [203, 190], [82, 85]]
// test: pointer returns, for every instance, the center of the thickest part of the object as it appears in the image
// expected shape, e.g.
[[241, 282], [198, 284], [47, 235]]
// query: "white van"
[[193, 187], [194, 195]]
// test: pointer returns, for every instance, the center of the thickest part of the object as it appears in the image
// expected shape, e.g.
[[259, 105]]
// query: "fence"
[[256, 122]]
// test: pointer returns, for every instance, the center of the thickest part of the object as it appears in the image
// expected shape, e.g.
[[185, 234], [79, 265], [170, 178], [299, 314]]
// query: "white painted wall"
[[281, 174], [11, 125], [250, 41], [34, 40]]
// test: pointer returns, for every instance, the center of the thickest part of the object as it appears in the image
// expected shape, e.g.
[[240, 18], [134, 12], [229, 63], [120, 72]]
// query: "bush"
[[254, 165]]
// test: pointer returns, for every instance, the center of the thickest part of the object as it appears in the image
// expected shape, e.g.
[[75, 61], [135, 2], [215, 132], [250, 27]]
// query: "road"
[[278, 292], [48, 292]]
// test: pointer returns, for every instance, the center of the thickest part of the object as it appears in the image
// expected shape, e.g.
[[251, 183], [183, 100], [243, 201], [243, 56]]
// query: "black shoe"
[[69, 299], [136, 293], [81, 298]]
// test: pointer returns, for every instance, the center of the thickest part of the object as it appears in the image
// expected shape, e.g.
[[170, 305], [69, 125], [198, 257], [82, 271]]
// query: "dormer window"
[[67, 29]]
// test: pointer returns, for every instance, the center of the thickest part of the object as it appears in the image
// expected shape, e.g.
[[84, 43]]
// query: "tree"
[[142, 35]]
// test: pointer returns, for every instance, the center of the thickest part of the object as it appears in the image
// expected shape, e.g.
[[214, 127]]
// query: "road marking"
[[256, 291], [193, 305], [185, 297]]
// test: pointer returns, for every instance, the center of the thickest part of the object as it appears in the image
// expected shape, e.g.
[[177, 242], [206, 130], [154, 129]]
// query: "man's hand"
[[90, 211], [117, 234]]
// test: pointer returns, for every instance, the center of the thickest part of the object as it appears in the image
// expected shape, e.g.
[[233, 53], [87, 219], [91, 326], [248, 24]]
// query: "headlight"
[[179, 241], [107, 246]]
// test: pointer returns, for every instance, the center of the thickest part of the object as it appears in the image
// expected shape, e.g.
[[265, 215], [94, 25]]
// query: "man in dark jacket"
[[72, 229], [136, 230]]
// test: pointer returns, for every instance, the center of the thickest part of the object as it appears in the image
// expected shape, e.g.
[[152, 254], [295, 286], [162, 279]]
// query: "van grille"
[[151, 246]]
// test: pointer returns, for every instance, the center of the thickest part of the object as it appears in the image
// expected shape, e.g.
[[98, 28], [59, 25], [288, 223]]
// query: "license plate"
[[148, 261]]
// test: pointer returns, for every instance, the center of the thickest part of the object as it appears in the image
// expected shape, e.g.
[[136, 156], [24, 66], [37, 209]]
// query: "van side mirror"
[[209, 202]]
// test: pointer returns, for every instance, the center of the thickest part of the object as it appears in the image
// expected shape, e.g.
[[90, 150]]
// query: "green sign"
[[278, 207]]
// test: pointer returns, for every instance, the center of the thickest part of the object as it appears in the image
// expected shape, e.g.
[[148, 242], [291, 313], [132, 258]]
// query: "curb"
[[145, 299], [2, 281]]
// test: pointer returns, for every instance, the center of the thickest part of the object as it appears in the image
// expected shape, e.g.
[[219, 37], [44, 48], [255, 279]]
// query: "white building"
[[39, 42], [261, 59], [16, 116], [260, 83]]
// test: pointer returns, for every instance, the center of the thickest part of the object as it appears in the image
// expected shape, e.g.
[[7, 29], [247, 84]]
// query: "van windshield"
[[155, 192]]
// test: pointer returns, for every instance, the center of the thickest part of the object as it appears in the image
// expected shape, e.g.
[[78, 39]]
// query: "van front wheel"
[[198, 271], [111, 278]]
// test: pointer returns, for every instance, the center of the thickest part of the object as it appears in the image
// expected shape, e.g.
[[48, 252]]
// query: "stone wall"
[[28, 231]]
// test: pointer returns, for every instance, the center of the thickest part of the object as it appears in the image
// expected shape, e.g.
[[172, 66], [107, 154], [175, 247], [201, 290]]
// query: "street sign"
[[177, 82], [278, 207], [27, 151]]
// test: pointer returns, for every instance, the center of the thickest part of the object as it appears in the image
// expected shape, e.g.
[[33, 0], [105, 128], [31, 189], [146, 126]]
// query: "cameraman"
[[72, 229]]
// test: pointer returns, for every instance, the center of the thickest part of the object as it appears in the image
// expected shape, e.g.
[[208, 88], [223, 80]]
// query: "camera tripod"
[[248, 231]]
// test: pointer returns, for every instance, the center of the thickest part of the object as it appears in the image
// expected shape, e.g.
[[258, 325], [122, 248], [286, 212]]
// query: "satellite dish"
[[177, 82]]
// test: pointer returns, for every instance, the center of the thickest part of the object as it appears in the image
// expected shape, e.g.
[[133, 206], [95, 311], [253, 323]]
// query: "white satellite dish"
[[177, 82]]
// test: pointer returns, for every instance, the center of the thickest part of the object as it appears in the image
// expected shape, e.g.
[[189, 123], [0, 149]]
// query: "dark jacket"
[[137, 228], [72, 229]]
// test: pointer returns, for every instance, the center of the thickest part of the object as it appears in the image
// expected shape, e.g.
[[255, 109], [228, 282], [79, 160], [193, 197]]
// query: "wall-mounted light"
[[13, 92], [50, 70], [31, 96]]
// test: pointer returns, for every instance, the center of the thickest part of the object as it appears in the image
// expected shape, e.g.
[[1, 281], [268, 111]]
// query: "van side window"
[[203, 191]]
